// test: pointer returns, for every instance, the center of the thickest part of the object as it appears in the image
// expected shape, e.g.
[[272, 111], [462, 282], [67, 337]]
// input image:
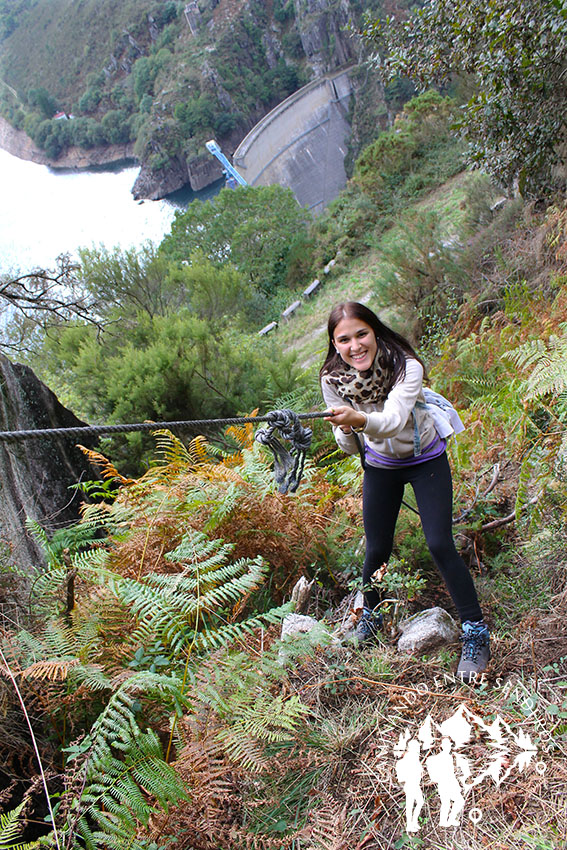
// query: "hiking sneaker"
[[475, 654], [368, 626]]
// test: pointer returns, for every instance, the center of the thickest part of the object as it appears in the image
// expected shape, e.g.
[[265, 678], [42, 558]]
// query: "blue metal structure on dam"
[[233, 178]]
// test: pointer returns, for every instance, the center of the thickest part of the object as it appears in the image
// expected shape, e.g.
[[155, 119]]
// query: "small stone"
[[294, 624], [427, 630]]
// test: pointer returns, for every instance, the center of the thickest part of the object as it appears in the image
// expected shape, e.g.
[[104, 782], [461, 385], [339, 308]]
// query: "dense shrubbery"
[[408, 159], [402, 164], [9, 12], [179, 594], [512, 54], [255, 229]]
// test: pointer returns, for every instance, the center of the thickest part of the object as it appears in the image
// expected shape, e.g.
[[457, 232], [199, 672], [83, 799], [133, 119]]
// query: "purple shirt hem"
[[433, 450]]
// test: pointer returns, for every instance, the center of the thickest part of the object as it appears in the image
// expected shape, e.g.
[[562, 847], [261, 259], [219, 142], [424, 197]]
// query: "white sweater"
[[390, 425]]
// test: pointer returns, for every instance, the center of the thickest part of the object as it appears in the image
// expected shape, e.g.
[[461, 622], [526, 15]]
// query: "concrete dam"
[[301, 144]]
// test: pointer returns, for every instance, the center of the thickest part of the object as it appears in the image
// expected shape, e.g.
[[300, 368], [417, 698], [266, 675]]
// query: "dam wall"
[[301, 143]]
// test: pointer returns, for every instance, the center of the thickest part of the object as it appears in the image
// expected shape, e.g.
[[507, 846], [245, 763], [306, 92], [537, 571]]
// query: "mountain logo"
[[453, 754]]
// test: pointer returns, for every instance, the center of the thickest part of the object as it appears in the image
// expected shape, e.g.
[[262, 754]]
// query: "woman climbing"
[[372, 385]]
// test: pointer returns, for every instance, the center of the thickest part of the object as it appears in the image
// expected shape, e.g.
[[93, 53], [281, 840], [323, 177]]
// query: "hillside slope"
[[164, 75]]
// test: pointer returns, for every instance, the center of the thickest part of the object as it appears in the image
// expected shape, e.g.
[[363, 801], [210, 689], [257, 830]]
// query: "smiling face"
[[355, 341]]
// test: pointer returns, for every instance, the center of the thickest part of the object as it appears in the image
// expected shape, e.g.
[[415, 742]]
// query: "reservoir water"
[[44, 213]]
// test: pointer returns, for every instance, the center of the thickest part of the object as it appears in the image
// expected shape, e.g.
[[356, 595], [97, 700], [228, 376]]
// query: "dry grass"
[[360, 703], [525, 682]]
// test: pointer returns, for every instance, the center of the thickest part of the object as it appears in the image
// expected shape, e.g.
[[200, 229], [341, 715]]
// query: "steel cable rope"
[[92, 430], [288, 465]]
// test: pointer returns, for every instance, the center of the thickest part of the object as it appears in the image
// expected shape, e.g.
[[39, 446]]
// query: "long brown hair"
[[393, 346]]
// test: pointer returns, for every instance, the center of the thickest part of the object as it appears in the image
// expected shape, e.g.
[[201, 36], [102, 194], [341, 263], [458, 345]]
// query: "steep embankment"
[[363, 278]]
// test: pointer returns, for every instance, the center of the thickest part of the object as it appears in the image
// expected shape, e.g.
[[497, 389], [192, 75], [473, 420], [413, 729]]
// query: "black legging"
[[382, 496]]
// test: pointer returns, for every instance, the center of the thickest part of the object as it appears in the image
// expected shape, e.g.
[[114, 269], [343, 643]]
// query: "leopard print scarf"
[[371, 386]]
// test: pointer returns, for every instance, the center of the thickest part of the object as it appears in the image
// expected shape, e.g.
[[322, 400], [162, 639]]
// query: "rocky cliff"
[[35, 474], [197, 171], [325, 36]]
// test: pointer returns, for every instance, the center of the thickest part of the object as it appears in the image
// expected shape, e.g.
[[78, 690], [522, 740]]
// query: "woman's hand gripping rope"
[[346, 418]]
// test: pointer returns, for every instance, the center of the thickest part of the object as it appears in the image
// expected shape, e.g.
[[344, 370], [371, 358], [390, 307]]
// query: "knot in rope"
[[288, 466]]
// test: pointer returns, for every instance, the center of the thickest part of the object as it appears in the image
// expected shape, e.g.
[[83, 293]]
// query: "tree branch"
[[496, 523], [45, 294]]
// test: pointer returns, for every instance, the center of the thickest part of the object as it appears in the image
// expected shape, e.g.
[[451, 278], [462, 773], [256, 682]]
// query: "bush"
[[165, 13], [53, 136], [39, 98], [422, 128], [116, 126], [427, 278], [196, 114], [417, 154], [253, 228], [347, 225], [89, 102]]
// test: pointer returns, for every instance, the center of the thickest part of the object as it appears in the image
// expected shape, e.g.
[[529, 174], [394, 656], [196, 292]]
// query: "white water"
[[45, 213]]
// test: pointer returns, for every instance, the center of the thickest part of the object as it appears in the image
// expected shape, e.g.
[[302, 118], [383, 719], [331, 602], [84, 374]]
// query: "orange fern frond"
[[221, 472], [329, 830], [106, 466], [53, 670], [198, 450], [242, 434]]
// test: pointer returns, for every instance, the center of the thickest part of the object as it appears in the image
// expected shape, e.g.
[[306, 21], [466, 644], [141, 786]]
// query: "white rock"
[[294, 624], [427, 630]]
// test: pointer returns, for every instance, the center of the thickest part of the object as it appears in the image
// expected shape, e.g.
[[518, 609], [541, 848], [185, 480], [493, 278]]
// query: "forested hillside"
[[166, 76], [164, 710]]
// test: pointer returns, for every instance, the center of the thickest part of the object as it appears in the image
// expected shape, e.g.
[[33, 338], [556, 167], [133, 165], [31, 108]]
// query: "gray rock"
[[202, 171], [325, 39], [209, 74], [152, 184], [36, 474], [427, 630], [294, 624], [272, 48]]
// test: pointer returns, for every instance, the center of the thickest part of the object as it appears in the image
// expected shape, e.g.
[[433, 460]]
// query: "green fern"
[[546, 364], [126, 777], [10, 829], [113, 518], [239, 690], [63, 653], [93, 561], [230, 633], [225, 507], [171, 609], [65, 541]]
